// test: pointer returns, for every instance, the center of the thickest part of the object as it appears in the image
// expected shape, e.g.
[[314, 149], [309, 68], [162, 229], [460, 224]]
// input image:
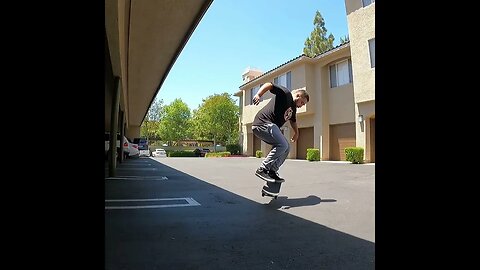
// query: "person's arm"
[[265, 87], [295, 131]]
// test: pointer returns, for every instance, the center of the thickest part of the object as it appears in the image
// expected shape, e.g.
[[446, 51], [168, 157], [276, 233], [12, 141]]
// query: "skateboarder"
[[282, 107]]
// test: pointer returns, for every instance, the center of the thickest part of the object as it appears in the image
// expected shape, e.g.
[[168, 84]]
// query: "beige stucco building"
[[361, 28], [341, 86]]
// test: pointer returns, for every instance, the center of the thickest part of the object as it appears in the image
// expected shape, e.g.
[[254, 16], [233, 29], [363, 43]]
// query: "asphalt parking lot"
[[208, 213]]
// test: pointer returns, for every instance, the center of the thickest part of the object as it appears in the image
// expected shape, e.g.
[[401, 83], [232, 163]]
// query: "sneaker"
[[263, 174], [274, 175]]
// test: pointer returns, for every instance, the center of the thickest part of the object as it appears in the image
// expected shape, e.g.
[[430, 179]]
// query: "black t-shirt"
[[279, 110]]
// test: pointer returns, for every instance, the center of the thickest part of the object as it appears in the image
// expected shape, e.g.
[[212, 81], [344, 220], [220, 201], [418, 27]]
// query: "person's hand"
[[256, 99], [294, 138]]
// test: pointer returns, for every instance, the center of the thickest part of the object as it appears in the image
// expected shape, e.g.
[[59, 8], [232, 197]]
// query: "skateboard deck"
[[271, 189]]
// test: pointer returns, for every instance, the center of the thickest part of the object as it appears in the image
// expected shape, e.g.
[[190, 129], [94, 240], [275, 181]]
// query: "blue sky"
[[236, 34]]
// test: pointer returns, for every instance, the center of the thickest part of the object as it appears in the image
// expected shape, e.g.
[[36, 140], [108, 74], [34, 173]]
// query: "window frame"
[[253, 91], [372, 60], [368, 4], [288, 80], [350, 72]]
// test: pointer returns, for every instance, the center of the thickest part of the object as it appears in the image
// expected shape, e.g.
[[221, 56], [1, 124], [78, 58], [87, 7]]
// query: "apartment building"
[[361, 29], [330, 112], [341, 85]]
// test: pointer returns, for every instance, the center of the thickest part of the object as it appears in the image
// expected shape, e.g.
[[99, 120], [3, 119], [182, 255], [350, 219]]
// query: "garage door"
[[341, 136], [305, 140], [372, 140]]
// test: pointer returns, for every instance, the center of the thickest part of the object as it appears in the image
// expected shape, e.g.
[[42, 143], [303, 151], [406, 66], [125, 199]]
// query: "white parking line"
[[138, 169], [190, 202], [136, 164], [142, 178]]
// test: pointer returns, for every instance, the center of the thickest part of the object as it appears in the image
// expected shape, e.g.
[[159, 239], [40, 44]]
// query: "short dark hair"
[[303, 92]]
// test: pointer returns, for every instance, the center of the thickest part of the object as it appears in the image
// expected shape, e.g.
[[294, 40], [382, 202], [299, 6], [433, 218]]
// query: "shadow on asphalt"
[[226, 231], [284, 202]]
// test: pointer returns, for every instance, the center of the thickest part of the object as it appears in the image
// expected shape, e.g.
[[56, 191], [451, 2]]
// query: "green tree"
[[344, 39], [318, 42], [149, 127], [216, 119], [175, 121]]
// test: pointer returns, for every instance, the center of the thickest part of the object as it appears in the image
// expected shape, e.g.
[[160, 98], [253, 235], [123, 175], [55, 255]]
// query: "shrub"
[[354, 154], [313, 154], [218, 154], [181, 154], [258, 153], [234, 149]]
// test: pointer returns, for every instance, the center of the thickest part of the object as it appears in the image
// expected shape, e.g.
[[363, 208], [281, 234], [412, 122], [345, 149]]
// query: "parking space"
[[323, 219]]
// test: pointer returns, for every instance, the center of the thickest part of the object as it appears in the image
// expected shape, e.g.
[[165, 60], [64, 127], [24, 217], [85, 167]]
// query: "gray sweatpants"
[[271, 134]]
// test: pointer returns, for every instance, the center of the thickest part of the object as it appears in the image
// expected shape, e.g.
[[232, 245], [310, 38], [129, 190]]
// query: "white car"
[[142, 146], [145, 153], [132, 148], [129, 149], [159, 153]]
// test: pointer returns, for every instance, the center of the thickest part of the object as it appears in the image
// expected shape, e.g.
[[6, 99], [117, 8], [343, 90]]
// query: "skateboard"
[[271, 189]]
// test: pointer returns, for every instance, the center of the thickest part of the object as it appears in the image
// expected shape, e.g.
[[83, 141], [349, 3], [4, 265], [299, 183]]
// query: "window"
[[284, 80], [367, 2], [249, 97], [371, 48], [253, 91], [341, 73]]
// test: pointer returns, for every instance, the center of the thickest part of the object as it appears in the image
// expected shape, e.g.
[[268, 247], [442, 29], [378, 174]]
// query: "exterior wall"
[[334, 105], [319, 98], [240, 103], [298, 81], [247, 140], [249, 111], [341, 105], [250, 74], [361, 27], [326, 106], [367, 109], [352, 5]]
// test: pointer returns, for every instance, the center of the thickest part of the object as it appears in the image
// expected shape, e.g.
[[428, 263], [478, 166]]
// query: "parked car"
[[129, 149], [201, 152], [142, 146], [159, 152], [132, 148]]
